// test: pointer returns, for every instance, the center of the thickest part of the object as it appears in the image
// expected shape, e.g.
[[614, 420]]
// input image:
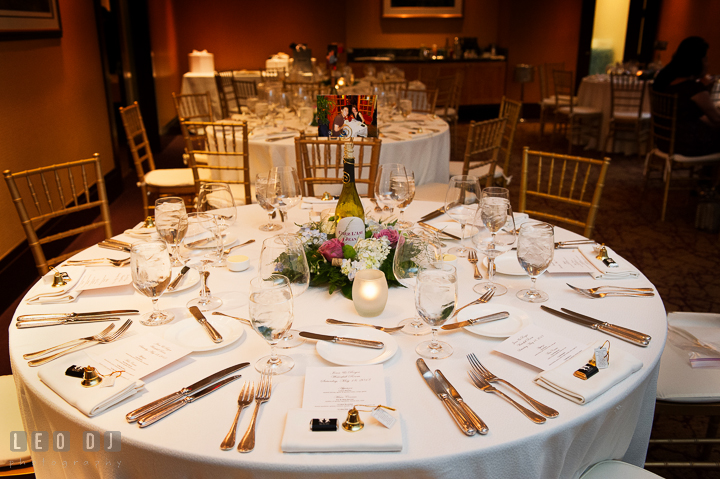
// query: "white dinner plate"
[[503, 328], [453, 227], [139, 231], [190, 279], [507, 264], [192, 335], [345, 355]]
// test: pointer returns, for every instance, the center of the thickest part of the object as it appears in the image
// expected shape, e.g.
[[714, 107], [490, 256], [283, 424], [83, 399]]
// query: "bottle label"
[[350, 230]]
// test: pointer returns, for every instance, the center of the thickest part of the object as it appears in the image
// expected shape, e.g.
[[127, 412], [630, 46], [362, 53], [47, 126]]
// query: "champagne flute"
[[217, 199], [171, 223], [496, 234], [391, 185], [402, 223], [461, 203], [287, 192], [435, 300], [261, 189], [415, 250], [271, 315], [151, 273], [536, 247], [202, 230]]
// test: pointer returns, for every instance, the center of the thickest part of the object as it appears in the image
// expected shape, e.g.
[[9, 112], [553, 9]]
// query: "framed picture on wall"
[[422, 8], [25, 19]]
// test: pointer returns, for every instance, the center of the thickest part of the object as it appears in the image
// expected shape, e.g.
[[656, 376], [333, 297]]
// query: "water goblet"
[[461, 202], [171, 223], [496, 235], [287, 192], [402, 223], [391, 185], [261, 192], [435, 300], [151, 273], [194, 252], [271, 315], [217, 199], [536, 247]]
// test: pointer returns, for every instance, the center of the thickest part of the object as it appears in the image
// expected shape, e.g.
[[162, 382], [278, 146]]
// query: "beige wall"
[[52, 105]]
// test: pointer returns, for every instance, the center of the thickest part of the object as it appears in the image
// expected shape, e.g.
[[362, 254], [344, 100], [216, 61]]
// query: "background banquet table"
[[186, 444], [201, 82]]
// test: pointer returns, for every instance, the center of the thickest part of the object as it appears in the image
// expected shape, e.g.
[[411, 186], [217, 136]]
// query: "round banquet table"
[[186, 444]]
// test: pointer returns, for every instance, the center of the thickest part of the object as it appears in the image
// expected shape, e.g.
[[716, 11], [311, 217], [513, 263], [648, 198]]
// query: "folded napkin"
[[374, 437], [89, 401], [317, 204], [561, 381], [622, 271], [44, 293]]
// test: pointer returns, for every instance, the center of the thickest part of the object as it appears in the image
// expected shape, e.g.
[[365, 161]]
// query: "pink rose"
[[332, 249], [391, 235]]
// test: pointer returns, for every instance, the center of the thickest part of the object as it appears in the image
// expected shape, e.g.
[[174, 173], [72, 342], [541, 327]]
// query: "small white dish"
[[450, 259], [238, 262], [344, 355], [190, 279], [507, 264], [503, 328], [192, 335]]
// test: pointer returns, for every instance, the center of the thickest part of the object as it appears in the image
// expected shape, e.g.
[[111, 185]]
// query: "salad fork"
[[247, 443], [99, 262], [490, 377], [67, 344], [619, 288], [381, 328], [630, 294], [244, 400], [482, 299], [485, 386], [473, 259]]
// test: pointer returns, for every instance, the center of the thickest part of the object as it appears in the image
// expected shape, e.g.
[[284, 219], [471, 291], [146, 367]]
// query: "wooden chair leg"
[[712, 432], [668, 173], [542, 121]]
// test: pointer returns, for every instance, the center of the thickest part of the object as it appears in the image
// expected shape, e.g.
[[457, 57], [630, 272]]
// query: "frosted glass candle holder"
[[370, 292]]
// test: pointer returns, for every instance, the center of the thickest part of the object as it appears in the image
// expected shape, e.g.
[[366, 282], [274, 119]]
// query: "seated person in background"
[[356, 114], [698, 119], [339, 121]]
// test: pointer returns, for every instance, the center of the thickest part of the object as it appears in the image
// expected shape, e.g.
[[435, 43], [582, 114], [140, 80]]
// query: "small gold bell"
[[90, 377], [326, 197], [59, 279], [353, 422], [149, 222]]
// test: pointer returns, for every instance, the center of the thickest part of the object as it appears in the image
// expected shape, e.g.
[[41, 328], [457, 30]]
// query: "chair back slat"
[[663, 108], [509, 109], [193, 106], [564, 88], [483, 145], [226, 93], [627, 93], [546, 78], [423, 101]]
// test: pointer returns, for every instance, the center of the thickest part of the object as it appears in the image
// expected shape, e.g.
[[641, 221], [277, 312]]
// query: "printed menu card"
[[540, 348], [344, 387]]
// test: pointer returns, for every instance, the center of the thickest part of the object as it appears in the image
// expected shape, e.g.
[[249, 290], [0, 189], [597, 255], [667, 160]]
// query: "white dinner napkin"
[[374, 437], [560, 380], [316, 204], [89, 401], [622, 271], [44, 293]]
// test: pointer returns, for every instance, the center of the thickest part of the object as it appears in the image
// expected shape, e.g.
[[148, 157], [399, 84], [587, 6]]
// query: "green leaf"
[[347, 290], [349, 252]]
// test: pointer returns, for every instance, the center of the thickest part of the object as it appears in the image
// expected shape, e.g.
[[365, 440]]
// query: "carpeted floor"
[[680, 260]]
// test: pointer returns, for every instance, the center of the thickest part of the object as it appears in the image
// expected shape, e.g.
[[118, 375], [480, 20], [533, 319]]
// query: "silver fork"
[[381, 328], [244, 400], [67, 344], [617, 288], [490, 377], [629, 294], [473, 259], [106, 339], [482, 299], [99, 262], [485, 386], [247, 443]]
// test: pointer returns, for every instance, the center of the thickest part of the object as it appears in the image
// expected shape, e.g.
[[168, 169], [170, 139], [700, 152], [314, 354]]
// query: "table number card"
[[540, 348], [344, 387]]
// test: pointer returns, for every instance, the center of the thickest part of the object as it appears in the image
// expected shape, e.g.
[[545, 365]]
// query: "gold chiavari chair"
[[320, 163], [423, 101], [715, 93], [57, 191], [509, 109], [390, 86], [244, 89], [481, 150], [575, 120], [161, 182], [563, 180], [226, 92], [225, 158], [447, 105], [547, 98], [193, 106], [306, 88], [627, 94]]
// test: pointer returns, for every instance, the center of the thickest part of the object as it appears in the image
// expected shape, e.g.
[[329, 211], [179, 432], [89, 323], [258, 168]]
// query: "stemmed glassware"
[[461, 203], [405, 107], [171, 223], [435, 300], [194, 252], [271, 315], [402, 223], [305, 115], [261, 110], [536, 247], [261, 193], [217, 199], [496, 233], [391, 185], [151, 273], [287, 192], [416, 249]]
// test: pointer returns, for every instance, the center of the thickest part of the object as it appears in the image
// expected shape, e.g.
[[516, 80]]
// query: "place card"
[[344, 387], [570, 261], [138, 356], [539, 347], [98, 278]]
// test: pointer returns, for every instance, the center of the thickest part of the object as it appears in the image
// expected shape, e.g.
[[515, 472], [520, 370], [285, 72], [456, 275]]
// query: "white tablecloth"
[[186, 444]]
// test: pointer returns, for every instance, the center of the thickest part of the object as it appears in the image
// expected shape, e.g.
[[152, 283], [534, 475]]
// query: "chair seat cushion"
[[631, 115], [451, 112], [431, 192], [580, 110], [688, 159], [456, 168], [169, 177], [564, 99], [10, 420], [617, 469]]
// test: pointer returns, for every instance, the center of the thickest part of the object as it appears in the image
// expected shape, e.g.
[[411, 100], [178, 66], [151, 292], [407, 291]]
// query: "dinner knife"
[[114, 246], [71, 316], [211, 380], [453, 408], [482, 319], [434, 214], [168, 409], [204, 242], [636, 338], [438, 230], [363, 343], [180, 275], [479, 424], [627, 331], [38, 323], [212, 332]]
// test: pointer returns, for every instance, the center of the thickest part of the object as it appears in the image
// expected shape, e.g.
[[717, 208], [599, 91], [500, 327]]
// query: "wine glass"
[[405, 107], [496, 234], [305, 114], [536, 247], [151, 273], [261, 110], [261, 188], [402, 223], [195, 253], [461, 203], [217, 199], [391, 185], [415, 250], [287, 192], [435, 300], [271, 315], [171, 223]]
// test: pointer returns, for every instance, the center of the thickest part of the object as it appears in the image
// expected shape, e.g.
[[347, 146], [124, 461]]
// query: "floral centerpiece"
[[334, 263]]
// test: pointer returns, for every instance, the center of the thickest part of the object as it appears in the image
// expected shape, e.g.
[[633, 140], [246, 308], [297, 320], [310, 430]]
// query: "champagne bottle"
[[349, 212]]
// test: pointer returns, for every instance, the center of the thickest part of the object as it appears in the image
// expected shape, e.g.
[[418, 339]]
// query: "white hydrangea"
[[371, 253], [310, 237]]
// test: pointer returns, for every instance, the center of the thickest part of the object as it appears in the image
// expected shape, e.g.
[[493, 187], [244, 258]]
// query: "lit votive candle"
[[370, 292]]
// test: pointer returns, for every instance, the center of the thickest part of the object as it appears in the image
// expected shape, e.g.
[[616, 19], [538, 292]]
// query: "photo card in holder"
[[340, 116]]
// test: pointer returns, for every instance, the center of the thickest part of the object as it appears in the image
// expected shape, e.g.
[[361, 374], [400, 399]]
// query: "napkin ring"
[[317, 425]]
